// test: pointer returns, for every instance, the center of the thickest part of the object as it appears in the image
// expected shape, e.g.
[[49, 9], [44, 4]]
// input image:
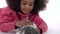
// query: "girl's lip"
[[26, 11]]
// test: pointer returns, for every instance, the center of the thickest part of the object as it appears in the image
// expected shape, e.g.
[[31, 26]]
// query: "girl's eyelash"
[[24, 3], [31, 4]]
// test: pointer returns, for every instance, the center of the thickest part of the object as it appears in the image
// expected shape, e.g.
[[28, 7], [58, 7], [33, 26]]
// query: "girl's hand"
[[24, 22]]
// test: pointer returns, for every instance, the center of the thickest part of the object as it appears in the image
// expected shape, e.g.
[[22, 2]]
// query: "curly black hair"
[[38, 5]]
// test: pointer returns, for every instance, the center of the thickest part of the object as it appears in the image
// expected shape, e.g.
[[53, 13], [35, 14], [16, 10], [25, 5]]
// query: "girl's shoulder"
[[5, 10]]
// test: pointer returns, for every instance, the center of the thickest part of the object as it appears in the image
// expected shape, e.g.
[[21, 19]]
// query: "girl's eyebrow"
[[23, 1], [32, 2]]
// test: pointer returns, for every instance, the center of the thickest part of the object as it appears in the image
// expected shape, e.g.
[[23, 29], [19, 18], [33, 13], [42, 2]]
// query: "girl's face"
[[27, 6]]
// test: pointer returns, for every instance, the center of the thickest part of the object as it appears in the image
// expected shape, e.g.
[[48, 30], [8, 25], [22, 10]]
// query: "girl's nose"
[[27, 7]]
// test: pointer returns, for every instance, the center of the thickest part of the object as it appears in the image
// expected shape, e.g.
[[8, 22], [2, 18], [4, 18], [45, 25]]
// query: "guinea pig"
[[28, 29]]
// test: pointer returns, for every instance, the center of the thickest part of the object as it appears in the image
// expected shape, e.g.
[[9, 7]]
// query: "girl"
[[20, 13]]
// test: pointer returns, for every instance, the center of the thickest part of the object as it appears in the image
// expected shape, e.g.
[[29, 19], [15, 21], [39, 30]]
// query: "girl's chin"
[[26, 12]]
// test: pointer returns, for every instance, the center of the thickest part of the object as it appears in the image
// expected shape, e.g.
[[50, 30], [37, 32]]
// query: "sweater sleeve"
[[40, 24], [6, 22]]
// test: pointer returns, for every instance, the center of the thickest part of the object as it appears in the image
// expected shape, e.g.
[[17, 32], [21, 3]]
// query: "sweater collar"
[[24, 14]]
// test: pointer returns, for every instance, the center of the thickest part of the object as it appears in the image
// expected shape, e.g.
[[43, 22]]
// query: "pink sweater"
[[8, 18]]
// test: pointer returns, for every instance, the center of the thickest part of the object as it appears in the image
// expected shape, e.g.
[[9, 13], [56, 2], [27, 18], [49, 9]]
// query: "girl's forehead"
[[28, 0]]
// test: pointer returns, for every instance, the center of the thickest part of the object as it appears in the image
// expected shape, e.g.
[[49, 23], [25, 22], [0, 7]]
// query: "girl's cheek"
[[22, 7], [31, 8]]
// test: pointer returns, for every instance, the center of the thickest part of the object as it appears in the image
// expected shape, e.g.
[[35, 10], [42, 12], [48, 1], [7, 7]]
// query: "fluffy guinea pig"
[[28, 29]]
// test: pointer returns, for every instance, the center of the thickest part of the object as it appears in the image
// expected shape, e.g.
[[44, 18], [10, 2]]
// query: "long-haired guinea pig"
[[28, 29]]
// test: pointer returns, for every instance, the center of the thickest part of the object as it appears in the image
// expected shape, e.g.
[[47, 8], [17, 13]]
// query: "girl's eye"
[[24, 3], [31, 4]]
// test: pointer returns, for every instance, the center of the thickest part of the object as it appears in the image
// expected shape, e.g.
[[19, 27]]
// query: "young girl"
[[20, 13]]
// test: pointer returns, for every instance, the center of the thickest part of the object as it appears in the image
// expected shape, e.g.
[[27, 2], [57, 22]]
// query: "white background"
[[51, 15]]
